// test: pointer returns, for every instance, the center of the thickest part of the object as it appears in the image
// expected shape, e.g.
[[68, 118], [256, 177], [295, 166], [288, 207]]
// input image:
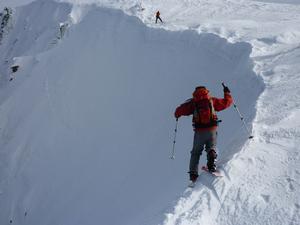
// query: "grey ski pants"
[[207, 139]]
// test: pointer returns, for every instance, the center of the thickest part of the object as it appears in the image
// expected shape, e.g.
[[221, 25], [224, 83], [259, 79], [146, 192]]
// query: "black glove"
[[226, 89]]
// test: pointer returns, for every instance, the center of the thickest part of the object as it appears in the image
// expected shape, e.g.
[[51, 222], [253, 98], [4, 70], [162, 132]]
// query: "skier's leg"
[[210, 148], [156, 19], [160, 19], [195, 155]]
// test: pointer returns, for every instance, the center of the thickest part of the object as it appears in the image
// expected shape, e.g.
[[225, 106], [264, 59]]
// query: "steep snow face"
[[30, 33], [87, 125]]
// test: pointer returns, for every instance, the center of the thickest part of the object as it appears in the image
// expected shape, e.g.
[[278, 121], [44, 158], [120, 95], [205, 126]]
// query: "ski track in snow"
[[261, 182]]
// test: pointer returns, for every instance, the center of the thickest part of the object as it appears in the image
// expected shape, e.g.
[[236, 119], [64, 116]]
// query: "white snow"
[[87, 121]]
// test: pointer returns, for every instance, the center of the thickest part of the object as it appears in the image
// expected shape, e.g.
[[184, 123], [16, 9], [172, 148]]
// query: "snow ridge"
[[74, 83]]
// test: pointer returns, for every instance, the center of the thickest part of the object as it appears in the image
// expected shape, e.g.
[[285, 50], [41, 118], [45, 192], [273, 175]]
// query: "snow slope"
[[89, 117], [14, 3]]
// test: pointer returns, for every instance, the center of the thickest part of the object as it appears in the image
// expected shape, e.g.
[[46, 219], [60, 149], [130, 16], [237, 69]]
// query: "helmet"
[[200, 93]]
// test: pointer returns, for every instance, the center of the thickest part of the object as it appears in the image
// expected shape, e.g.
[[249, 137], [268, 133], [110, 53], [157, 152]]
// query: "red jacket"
[[219, 104]]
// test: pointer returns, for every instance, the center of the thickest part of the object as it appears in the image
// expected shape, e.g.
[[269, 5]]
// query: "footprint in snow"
[[290, 182], [266, 198]]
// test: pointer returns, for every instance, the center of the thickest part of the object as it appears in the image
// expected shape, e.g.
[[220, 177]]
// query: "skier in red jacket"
[[203, 107], [157, 16]]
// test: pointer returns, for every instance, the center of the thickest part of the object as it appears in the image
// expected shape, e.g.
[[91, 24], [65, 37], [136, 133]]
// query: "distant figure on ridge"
[[158, 17], [203, 107]]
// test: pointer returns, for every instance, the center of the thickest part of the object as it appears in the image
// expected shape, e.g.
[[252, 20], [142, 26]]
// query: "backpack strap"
[[212, 109], [196, 110]]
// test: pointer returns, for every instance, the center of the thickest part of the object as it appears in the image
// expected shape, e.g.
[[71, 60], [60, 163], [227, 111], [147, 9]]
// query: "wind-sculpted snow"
[[87, 127]]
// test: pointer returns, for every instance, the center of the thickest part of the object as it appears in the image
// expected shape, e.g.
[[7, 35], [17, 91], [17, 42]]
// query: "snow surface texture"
[[88, 116]]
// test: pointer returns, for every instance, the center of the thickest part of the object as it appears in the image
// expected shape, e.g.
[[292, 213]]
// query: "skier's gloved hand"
[[226, 89], [176, 114]]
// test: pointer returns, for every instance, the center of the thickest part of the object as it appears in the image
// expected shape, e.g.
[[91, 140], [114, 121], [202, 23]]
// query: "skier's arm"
[[222, 103], [184, 109]]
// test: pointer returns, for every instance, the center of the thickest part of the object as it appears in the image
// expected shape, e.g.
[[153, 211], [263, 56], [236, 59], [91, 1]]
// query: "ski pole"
[[174, 141], [241, 116]]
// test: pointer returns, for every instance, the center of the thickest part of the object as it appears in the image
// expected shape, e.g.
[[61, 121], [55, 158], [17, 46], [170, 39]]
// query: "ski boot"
[[211, 159], [193, 179]]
